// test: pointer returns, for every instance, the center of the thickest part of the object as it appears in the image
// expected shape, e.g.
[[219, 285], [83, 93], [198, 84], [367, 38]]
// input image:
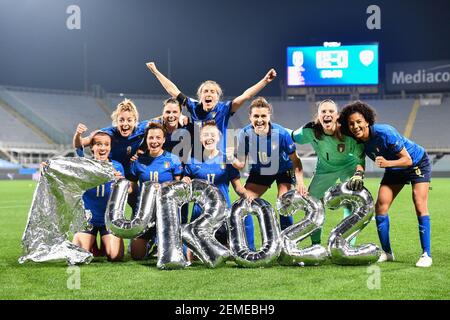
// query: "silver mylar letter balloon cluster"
[[199, 234], [270, 233], [115, 210], [361, 205], [291, 254], [57, 209]]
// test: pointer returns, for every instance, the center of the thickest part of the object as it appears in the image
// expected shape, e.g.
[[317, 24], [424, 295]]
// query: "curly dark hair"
[[356, 106]]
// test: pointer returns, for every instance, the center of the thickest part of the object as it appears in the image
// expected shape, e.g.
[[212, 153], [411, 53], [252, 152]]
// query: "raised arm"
[[77, 139], [170, 87], [253, 90]]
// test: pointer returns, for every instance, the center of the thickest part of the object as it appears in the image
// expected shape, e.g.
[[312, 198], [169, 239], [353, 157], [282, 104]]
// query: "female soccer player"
[[126, 134], [157, 165], [269, 149], [216, 171], [96, 199], [209, 106], [339, 157], [404, 162]]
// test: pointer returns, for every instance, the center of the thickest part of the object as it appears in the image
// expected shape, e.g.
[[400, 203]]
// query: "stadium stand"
[[39, 123], [431, 126], [63, 111], [393, 111], [14, 131]]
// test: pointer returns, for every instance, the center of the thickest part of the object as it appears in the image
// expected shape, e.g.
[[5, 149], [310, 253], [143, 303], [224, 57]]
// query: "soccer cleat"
[[385, 257], [425, 261]]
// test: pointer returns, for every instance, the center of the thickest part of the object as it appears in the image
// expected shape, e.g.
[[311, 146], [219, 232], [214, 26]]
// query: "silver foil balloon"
[[287, 205], [145, 215], [270, 233], [57, 209], [199, 234], [362, 207], [170, 197]]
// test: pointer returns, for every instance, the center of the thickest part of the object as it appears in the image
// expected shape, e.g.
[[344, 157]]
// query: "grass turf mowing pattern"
[[142, 280]]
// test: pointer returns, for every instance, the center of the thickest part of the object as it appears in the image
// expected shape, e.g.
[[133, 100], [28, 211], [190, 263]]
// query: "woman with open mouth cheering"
[[339, 157]]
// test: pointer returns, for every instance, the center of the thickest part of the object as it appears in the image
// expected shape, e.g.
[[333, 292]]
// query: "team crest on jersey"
[[129, 150], [223, 166], [213, 114], [341, 147], [166, 164]]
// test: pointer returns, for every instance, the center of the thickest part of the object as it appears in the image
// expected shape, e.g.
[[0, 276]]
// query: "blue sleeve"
[[225, 108], [190, 105], [394, 141], [80, 152], [289, 144], [188, 170], [233, 173], [177, 167], [118, 166], [109, 130], [142, 126]]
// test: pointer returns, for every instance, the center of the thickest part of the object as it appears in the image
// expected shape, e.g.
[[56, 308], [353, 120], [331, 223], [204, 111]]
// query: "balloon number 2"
[[166, 199]]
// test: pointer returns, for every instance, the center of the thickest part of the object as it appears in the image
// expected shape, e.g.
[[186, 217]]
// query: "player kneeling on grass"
[[404, 161], [156, 165], [96, 199]]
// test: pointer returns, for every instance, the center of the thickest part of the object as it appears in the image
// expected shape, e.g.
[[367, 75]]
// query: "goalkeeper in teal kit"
[[339, 157]]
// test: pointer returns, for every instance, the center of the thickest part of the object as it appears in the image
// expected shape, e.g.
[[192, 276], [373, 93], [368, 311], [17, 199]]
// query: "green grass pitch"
[[142, 280]]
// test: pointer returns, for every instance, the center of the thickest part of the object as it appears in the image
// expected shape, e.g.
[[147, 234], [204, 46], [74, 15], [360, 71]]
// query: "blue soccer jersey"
[[216, 171], [267, 155], [160, 169], [221, 113], [122, 149], [387, 142], [96, 199]]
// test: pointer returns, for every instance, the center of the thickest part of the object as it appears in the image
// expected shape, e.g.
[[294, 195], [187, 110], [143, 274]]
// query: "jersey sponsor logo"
[[341, 147], [129, 150]]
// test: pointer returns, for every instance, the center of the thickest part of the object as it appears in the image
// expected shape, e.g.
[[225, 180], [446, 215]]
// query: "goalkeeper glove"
[[356, 183]]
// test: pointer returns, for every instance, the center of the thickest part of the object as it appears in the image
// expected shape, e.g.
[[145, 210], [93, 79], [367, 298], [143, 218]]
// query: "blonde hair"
[[123, 106], [200, 88]]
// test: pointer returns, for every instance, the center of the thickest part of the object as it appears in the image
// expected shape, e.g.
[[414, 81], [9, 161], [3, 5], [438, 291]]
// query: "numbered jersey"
[[96, 199], [387, 142], [122, 149], [160, 169], [216, 171], [270, 152], [221, 113], [333, 155]]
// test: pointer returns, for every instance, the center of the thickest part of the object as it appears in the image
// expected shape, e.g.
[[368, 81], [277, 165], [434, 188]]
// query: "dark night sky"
[[233, 42]]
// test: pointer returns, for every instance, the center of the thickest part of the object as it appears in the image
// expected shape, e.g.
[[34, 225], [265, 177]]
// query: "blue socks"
[[286, 222], [383, 232], [250, 232], [424, 233]]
